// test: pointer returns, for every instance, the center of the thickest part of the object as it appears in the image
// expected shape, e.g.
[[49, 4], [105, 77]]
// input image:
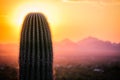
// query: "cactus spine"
[[36, 55]]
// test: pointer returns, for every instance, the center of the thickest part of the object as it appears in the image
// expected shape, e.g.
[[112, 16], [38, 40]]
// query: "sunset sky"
[[72, 19]]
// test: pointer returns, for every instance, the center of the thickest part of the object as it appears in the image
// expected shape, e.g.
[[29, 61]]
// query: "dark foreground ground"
[[90, 72], [72, 72]]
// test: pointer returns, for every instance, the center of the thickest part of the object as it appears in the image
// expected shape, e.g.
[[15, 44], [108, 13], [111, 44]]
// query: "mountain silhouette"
[[96, 45], [89, 45], [66, 46]]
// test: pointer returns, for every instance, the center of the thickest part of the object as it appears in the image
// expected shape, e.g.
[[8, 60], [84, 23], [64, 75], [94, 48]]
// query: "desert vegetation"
[[36, 57]]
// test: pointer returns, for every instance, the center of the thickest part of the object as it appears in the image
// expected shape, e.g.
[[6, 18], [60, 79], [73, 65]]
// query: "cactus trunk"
[[36, 55]]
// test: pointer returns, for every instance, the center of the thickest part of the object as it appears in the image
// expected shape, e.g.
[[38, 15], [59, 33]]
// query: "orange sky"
[[73, 19]]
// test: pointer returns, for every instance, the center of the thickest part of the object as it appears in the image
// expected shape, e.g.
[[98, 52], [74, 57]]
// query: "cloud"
[[71, 0], [102, 2], [92, 0]]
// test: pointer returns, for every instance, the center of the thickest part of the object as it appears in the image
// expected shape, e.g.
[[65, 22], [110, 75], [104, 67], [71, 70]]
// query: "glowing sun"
[[51, 13]]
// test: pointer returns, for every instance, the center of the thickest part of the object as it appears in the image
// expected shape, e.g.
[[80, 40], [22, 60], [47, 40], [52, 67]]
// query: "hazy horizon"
[[88, 50]]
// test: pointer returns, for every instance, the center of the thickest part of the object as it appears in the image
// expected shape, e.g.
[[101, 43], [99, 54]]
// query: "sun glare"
[[17, 16]]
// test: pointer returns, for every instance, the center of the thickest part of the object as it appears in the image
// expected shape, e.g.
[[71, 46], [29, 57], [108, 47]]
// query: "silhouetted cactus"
[[36, 55]]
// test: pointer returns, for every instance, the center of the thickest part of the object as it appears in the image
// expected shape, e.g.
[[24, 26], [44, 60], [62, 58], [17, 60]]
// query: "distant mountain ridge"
[[87, 45], [66, 46], [95, 44]]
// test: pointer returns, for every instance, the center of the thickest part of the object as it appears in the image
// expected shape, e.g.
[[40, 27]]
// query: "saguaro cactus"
[[36, 55]]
